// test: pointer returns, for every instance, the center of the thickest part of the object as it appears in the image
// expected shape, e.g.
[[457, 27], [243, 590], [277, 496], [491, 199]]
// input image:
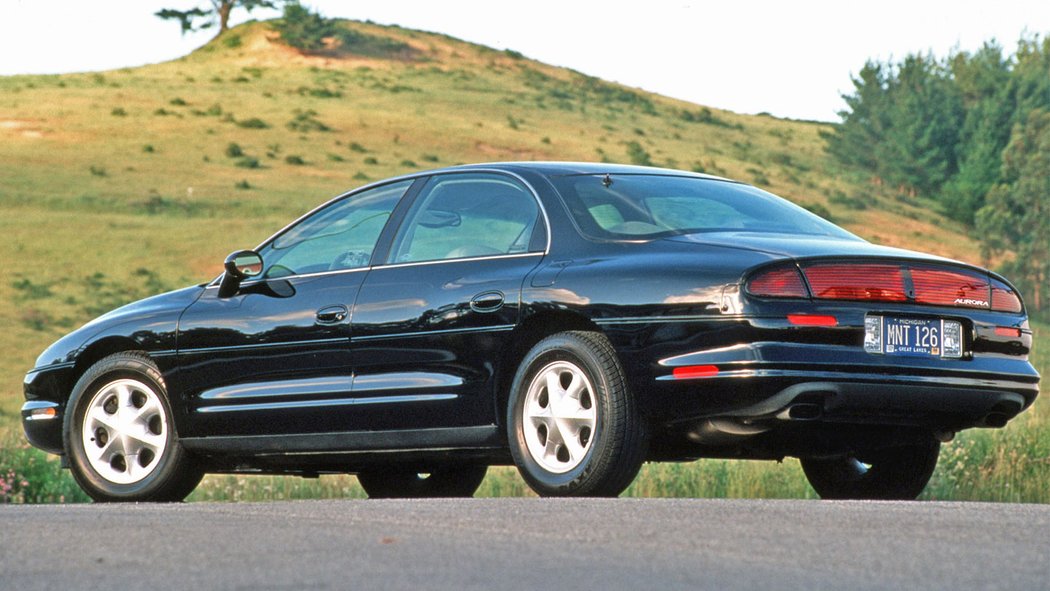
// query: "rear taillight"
[[942, 287], [1004, 299], [783, 282], [863, 282]]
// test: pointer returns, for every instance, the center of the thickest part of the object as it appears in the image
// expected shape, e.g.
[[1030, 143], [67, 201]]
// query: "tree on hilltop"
[[199, 19]]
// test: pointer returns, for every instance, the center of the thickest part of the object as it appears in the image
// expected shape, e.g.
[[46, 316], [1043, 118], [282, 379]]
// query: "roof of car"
[[572, 168]]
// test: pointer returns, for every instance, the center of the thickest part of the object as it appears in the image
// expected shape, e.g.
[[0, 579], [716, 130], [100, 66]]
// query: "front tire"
[[120, 437], [400, 483], [898, 473], [573, 425]]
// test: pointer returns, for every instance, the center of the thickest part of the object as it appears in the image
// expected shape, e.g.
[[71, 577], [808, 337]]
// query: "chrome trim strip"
[[288, 277], [284, 388], [817, 375], [200, 350], [297, 404], [500, 328], [663, 319], [465, 259], [404, 380]]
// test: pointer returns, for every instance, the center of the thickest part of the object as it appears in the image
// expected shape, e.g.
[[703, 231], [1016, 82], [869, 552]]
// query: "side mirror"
[[241, 265]]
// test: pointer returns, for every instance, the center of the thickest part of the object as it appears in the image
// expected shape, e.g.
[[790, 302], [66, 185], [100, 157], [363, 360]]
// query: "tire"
[[899, 473], [399, 483], [573, 426], [119, 434]]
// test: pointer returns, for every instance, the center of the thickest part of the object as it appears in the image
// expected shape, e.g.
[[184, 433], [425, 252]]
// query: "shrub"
[[335, 157], [97, 170], [360, 176], [119, 112], [356, 147], [178, 102], [294, 160], [243, 184], [232, 41], [248, 162], [637, 154], [371, 160], [306, 120], [819, 209], [408, 163], [148, 148], [233, 150], [253, 123], [430, 157]]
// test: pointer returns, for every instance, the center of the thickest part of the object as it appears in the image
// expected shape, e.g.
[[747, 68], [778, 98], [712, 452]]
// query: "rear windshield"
[[635, 207]]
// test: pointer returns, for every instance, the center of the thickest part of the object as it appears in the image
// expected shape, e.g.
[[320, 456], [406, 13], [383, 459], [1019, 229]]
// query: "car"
[[573, 319]]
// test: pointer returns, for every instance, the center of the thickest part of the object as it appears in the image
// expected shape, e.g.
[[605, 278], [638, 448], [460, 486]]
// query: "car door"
[[274, 358], [430, 324]]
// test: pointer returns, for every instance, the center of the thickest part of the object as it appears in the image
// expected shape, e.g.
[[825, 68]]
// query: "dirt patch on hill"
[[22, 127]]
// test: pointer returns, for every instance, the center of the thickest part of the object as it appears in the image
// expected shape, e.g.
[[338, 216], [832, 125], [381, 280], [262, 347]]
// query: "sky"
[[790, 59]]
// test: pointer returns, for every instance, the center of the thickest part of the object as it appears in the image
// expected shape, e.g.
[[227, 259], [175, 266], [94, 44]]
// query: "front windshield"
[[637, 207]]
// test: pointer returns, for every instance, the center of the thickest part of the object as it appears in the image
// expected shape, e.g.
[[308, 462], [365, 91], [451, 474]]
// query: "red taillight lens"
[[1004, 299], [884, 283], [949, 288], [812, 320], [784, 282], [694, 371]]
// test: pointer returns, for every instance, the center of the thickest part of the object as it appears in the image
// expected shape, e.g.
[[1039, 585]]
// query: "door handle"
[[489, 301], [332, 314]]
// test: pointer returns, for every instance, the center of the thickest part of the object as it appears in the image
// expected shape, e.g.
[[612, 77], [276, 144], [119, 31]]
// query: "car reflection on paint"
[[575, 320]]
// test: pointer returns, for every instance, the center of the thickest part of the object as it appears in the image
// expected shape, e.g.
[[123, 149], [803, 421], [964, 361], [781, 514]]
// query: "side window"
[[340, 236], [467, 215]]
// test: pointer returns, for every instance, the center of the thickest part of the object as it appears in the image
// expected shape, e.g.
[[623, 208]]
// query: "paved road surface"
[[536, 544]]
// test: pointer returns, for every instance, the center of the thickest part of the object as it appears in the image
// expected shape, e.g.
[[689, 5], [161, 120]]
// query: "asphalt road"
[[541, 544]]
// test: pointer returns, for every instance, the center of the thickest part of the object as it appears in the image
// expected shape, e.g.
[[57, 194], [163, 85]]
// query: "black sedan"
[[575, 320]]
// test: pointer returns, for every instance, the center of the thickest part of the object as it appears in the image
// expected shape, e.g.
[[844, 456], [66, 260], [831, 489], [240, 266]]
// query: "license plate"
[[912, 337]]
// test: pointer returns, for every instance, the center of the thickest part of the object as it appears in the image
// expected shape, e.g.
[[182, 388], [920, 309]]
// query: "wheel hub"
[[124, 431], [559, 418]]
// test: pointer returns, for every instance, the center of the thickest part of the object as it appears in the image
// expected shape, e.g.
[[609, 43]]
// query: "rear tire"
[[119, 434], [899, 473], [399, 483], [573, 425]]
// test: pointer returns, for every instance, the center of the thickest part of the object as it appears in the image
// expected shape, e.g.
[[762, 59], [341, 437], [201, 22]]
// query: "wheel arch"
[[98, 351], [531, 330]]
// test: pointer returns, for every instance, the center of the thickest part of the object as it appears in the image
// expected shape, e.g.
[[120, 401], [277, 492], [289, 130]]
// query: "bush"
[[306, 120], [119, 112], [248, 162], [253, 123], [234, 150], [356, 147], [294, 160], [637, 154], [243, 184], [371, 160], [819, 210], [28, 475], [178, 102]]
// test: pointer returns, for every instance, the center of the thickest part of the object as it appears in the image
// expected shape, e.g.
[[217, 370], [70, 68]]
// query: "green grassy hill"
[[118, 184]]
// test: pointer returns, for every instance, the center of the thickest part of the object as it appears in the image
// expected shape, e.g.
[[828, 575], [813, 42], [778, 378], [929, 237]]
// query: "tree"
[[304, 29], [864, 122], [199, 19], [1016, 216]]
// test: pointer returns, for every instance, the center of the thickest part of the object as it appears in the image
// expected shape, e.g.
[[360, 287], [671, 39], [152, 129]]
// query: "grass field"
[[119, 184]]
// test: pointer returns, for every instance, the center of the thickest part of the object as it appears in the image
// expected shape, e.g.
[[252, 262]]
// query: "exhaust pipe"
[[802, 411]]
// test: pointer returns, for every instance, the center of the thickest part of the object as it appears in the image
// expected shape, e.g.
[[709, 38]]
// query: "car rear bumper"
[[804, 382]]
